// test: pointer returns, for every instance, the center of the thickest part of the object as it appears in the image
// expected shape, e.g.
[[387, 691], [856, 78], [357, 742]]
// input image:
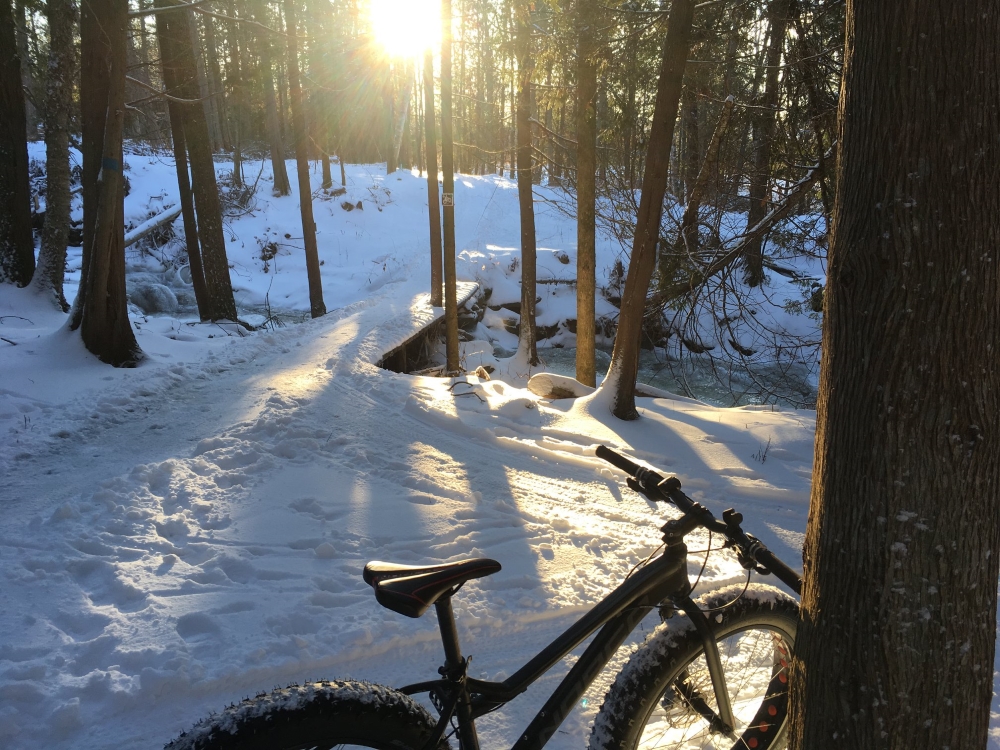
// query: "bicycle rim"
[[755, 662]]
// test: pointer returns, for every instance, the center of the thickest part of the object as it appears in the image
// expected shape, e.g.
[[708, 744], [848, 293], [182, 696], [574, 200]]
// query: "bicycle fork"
[[725, 721]]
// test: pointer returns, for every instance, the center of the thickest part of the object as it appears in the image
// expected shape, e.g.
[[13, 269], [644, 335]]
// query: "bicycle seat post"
[[454, 670]]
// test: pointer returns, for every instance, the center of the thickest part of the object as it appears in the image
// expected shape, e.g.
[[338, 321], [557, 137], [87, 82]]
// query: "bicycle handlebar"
[[617, 459], [655, 487]]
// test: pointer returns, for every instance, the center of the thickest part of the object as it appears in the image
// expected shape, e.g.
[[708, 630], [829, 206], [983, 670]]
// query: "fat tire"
[[318, 714], [666, 653]]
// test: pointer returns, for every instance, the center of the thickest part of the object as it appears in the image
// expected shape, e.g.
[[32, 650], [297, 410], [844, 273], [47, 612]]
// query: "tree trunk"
[[896, 639], [209, 103], [691, 153], [17, 247], [176, 113], [402, 114], [448, 195], [215, 80], [30, 119], [239, 95], [48, 279], [433, 211], [100, 310], [281, 184], [586, 188], [316, 306], [673, 258], [763, 136], [526, 343], [625, 357], [220, 302]]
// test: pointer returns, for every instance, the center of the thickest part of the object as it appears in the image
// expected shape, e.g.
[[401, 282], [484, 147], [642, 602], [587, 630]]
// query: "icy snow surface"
[[182, 535]]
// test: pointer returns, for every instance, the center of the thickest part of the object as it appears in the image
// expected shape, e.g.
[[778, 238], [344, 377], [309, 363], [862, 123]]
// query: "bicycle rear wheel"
[[663, 697], [318, 715]]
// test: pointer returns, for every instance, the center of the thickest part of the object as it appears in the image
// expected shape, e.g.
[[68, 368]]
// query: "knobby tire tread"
[[670, 648], [319, 714]]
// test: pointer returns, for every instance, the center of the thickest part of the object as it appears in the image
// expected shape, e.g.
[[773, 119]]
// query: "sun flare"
[[406, 27]]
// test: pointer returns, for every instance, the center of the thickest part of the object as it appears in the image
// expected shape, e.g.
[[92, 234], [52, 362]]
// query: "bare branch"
[[157, 94], [152, 11]]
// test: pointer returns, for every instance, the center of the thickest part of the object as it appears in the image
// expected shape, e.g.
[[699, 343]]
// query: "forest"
[[747, 196], [759, 234]]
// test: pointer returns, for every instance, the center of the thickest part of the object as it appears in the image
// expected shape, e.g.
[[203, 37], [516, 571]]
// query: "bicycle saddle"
[[411, 589]]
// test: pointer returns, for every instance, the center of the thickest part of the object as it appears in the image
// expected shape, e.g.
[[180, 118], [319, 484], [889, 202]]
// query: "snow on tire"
[[319, 714], [664, 692]]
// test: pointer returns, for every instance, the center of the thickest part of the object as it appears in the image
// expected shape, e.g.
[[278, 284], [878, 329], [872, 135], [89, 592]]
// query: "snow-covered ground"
[[190, 532]]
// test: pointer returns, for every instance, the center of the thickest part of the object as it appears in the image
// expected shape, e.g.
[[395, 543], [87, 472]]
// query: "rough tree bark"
[[625, 357], [17, 252], [526, 340], [433, 210], [100, 310], [316, 305], [898, 624], [586, 190], [48, 279]]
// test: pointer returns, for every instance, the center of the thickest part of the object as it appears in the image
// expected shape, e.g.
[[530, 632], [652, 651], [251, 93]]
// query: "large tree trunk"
[[526, 343], [433, 211], [51, 269], [625, 357], [17, 251], [586, 188], [100, 310], [763, 138], [896, 638], [316, 306], [220, 304], [448, 195], [281, 184]]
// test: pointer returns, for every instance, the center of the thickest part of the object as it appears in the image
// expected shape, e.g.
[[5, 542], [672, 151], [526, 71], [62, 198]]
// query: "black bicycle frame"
[[617, 615]]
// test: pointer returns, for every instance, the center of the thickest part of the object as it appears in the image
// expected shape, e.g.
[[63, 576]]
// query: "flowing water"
[[714, 382]]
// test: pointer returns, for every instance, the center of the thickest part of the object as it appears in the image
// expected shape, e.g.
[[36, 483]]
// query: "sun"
[[405, 28]]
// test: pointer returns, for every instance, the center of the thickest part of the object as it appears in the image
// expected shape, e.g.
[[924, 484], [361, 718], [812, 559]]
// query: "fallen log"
[[152, 224]]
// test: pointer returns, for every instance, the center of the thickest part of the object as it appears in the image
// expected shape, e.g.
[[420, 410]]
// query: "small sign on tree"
[[447, 199]]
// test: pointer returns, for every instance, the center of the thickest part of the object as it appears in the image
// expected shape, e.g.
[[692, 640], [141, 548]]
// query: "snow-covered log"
[[151, 224]]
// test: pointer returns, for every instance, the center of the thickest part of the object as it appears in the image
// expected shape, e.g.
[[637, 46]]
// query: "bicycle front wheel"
[[664, 698], [318, 715]]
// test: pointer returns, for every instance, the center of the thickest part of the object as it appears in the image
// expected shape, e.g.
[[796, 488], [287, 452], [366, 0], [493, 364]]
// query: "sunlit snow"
[[181, 535]]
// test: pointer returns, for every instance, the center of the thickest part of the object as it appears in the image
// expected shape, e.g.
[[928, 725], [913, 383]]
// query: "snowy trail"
[[183, 535], [146, 527], [173, 565]]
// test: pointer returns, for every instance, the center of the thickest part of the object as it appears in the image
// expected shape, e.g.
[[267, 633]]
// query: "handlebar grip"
[[786, 574], [617, 459]]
